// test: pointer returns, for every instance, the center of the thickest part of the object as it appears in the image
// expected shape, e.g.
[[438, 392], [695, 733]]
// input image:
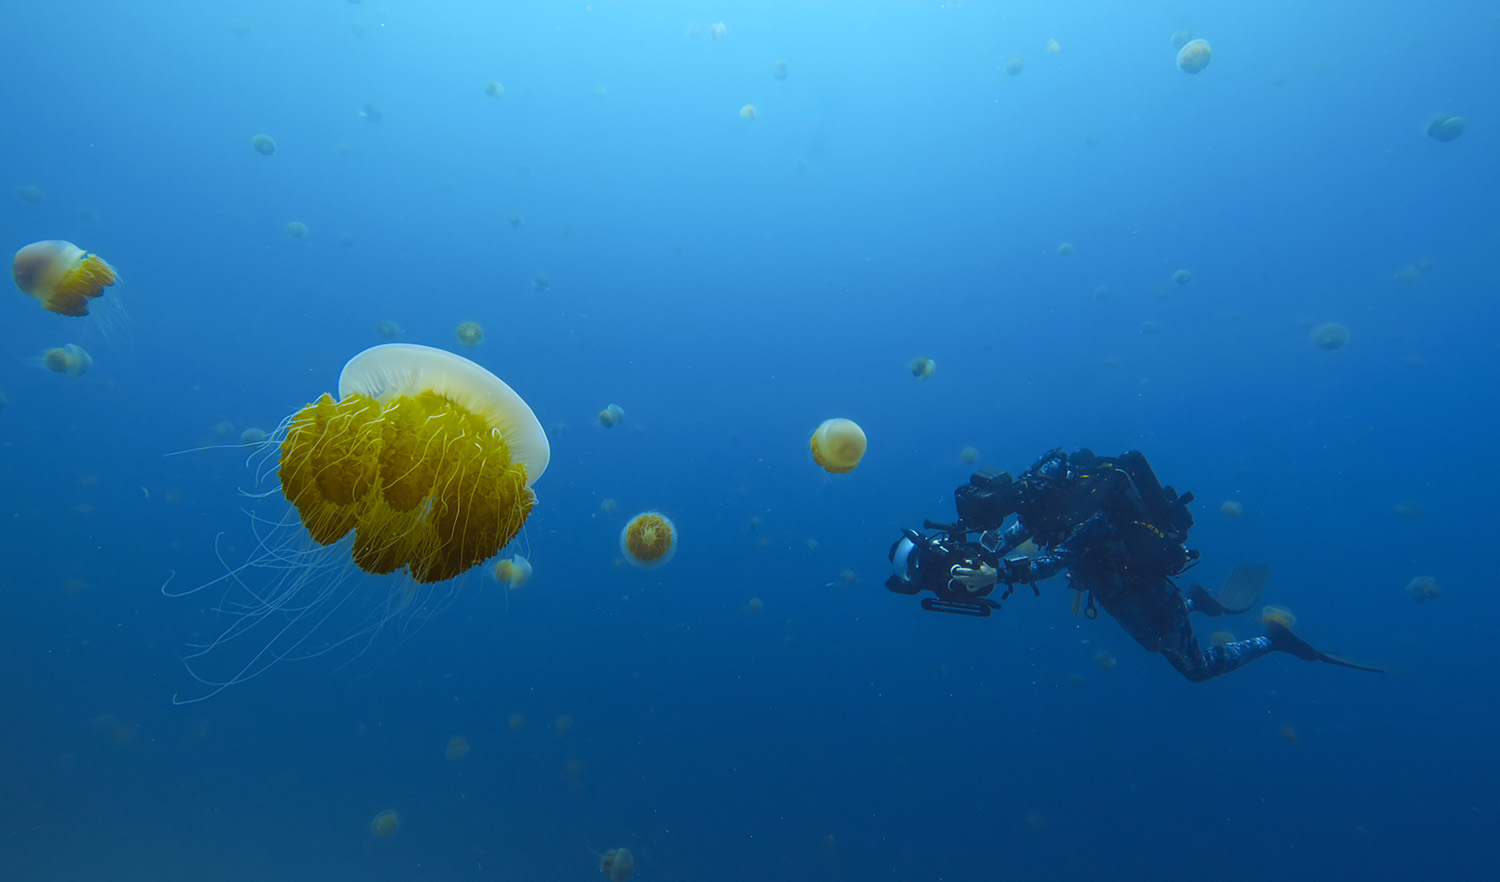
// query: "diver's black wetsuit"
[[1120, 535]]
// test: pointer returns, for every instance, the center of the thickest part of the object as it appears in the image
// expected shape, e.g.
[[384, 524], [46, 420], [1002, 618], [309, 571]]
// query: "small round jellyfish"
[[388, 330], [1065, 249], [1278, 614], [1424, 588], [1054, 47], [1104, 660], [385, 824], [493, 89], [718, 31], [923, 368], [781, 68], [513, 572], [70, 359], [31, 193], [838, 445], [265, 145], [1410, 509], [563, 724], [1182, 276], [649, 539], [1194, 56], [1014, 65], [1329, 336], [297, 230], [747, 113], [1230, 508], [617, 864], [969, 455], [470, 334], [61, 276], [1181, 38], [611, 416], [1446, 127], [253, 436], [458, 749]]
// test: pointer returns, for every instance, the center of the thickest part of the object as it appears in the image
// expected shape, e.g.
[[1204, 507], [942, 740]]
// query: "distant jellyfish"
[[1104, 660], [612, 416], [608, 506], [753, 606], [371, 112], [70, 359], [848, 577], [515, 220], [458, 749], [718, 31], [1446, 127], [513, 572], [385, 824], [781, 68], [1101, 292], [388, 330], [1231, 508], [838, 445], [516, 722], [253, 436], [1289, 734], [493, 89], [265, 145], [1221, 638], [747, 113], [1279, 615], [297, 230], [617, 864], [1054, 47], [1014, 65], [1150, 326], [1065, 249], [563, 724], [1182, 276], [61, 276], [649, 540], [969, 455], [1194, 56], [31, 193], [1181, 38], [540, 283], [470, 334], [1329, 336], [1410, 509], [923, 368], [1424, 588]]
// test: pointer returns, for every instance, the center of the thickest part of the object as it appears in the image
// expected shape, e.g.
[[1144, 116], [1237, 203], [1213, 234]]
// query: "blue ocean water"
[[625, 236]]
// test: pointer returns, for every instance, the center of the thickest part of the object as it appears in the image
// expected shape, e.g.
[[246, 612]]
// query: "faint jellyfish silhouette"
[[265, 145], [1194, 56]]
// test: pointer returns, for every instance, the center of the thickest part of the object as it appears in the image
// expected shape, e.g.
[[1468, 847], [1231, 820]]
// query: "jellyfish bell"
[[385, 824], [1329, 336], [70, 359], [470, 334], [617, 864], [1014, 65], [611, 416], [838, 445], [513, 572], [649, 540], [420, 471], [1194, 56], [493, 89], [61, 276], [718, 31], [388, 330], [781, 68], [265, 145], [923, 368], [1446, 127], [297, 230], [747, 113]]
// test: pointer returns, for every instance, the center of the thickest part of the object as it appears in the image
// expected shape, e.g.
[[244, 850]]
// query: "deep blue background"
[[731, 284]]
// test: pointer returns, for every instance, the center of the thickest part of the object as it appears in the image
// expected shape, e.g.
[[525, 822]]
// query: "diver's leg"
[[1205, 664]]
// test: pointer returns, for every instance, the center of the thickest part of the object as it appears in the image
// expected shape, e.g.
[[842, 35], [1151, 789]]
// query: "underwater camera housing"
[[988, 499], [924, 563]]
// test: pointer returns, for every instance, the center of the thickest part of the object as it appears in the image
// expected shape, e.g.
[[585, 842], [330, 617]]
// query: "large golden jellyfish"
[[838, 445], [422, 467], [649, 540], [61, 276]]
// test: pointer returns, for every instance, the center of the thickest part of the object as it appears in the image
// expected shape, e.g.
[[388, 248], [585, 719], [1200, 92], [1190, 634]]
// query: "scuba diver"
[[1121, 537]]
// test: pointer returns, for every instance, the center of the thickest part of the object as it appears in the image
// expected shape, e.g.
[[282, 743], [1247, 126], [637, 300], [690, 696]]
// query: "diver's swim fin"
[[1283, 640], [1240, 593]]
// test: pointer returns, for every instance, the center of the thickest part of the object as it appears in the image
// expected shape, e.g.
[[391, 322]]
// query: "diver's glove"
[[973, 579]]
